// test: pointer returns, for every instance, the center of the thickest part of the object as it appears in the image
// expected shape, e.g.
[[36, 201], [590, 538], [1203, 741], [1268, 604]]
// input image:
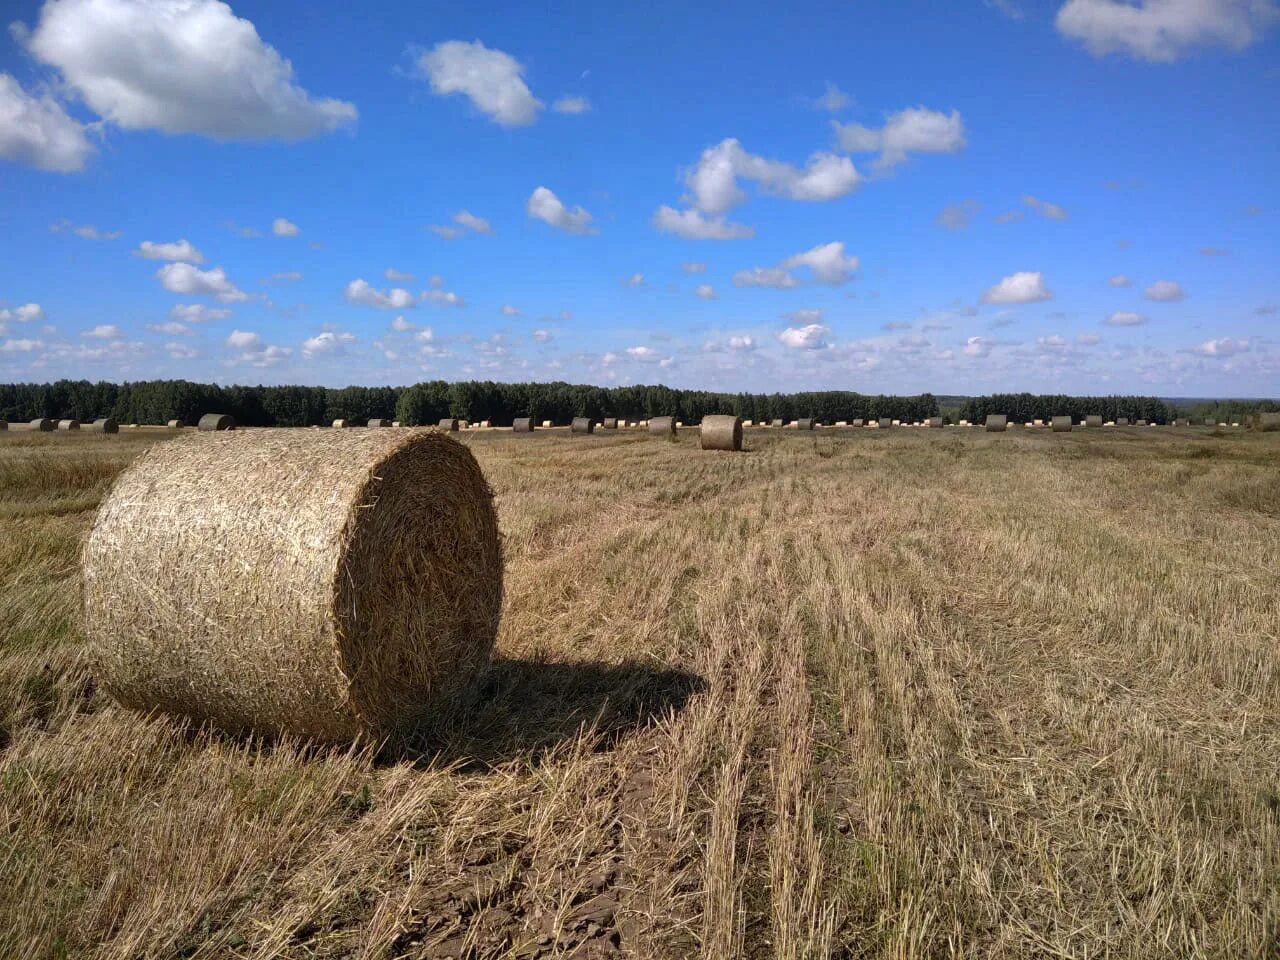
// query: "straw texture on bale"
[[662, 427], [1266, 422], [217, 421], [448, 423], [776, 422], [176, 424], [884, 423], [858, 422], [105, 425], [289, 582], [1093, 420], [68, 424], [43, 424], [721, 432], [342, 424], [380, 422], [934, 422], [522, 425], [582, 425], [1061, 424], [997, 423], [806, 424], [610, 423]]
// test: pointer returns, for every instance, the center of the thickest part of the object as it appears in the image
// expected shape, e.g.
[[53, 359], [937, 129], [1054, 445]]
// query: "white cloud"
[[83, 231], [198, 312], [1088, 339], [691, 267], [509, 311], [243, 339], [957, 216], [1125, 318], [37, 131], [694, 225], [1214, 252], [914, 130], [1164, 291], [173, 328], [635, 280], [21, 346], [401, 325], [180, 351], [469, 221], [179, 66], [448, 233], [104, 331], [397, 298], [714, 181], [744, 343], [811, 336], [1022, 287], [284, 228], [436, 280], [774, 277], [1120, 280], [1160, 31], [26, 313], [491, 79], [644, 354], [179, 250], [572, 105], [395, 276], [706, 291], [443, 298], [546, 206], [188, 280], [329, 343], [977, 347], [800, 317], [253, 351], [543, 336], [827, 261], [1222, 347], [1053, 342], [1007, 7], [1046, 209], [425, 335], [833, 100]]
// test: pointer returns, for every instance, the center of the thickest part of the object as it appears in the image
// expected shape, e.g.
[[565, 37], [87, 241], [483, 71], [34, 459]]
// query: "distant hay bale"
[[395, 423], [217, 421], [68, 424], [897, 423], [858, 422], [176, 424], [806, 423], [1029, 424], [1266, 422], [448, 424], [583, 425], [721, 432], [43, 425], [104, 425], [286, 582], [1061, 424], [1209, 421], [1093, 420], [610, 423], [884, 423], [934, 422], [842, 423], [1122, 421], [380, 422], [1181, 422], [485, 424], [547, 423], [342, 424], [997, 423], [777, 422], [1038, 423], [522, 425], [1109, 423], [1141, 423], [662, 427]]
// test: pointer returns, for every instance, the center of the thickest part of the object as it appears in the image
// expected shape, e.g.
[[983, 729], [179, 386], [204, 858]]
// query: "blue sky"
[[1075, 196]]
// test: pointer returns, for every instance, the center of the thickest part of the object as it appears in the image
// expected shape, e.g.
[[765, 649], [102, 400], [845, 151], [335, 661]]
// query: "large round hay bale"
[[1093, 420], [1061, 424], [342, 424], [547, 423], [1141, 423], [1266, 422], [721, 432], [522, 425], [104, 425], [176, 424], [610, 423], [858, 422], [68, 424], [1181, 422], [1122, 421], [380, 422], [884, 423], [807, 423], [217, 421], [290, 582], [582, 425], [997, 423], [662, 427], [934, 422], [43, 425], [449, 424]]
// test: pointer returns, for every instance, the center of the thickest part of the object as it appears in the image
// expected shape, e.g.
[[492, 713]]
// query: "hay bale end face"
[[176, 424], [380, 422], [1141, 423], [68, 424], [610, 423], [348, 584], [547, 423], [884, 423], [662, 427], [1061, 424], [721, 432], [342, 424], [1093, 420], [448, 424], [105, 425], [858, 422], [217, 421], [43, 425], [997, 423], [807, 423], [522, 425], [583, 425]]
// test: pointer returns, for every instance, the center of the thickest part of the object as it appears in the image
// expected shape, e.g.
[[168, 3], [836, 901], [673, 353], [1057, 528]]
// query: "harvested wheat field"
[[871, 694]]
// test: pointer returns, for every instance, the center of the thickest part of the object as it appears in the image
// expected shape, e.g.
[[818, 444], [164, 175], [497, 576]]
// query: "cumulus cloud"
[[743, 342], [833, 100], [1007, 7], [198, 312], [914, 130], [83, 231], [827, 261], [1120, 280], [24, 345], [546, 206], [179, 250], [180, 351], [179, 66], [283, 228], [464, 221], [1088, 339], [1046, 209], [706, 291], [443, 298], [572, 105], [1161, 31], [695, 225], [253, 351], [977, 347], [543, 336], [957, 216], [1125, 318], [397, 298], [645, 354], [329, 343], [714, 181], [401, 325], [775, 277], [492, 80], [26, 313], [1021, 287], [635, 280], [509, 311], [1164, 291], [38, 132], [103, 331], [1222, 347], [185, 279], [811, 336]]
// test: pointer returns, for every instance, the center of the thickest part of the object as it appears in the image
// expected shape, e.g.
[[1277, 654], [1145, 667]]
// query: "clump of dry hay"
[[1061, 424], [68, 424], [583, 425], [448, 424], [522, 425], [610, 423], [997, 423], [380, 422], [934, 422], [806, 424], [284, 581], [43, 425], [1265, 422], [342, 424], [1092, 420], [217, 421], [662, 427], [104, 425], [721, 432], [176, 424]]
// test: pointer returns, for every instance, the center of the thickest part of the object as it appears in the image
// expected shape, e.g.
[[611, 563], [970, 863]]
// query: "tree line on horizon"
[[158, 401]]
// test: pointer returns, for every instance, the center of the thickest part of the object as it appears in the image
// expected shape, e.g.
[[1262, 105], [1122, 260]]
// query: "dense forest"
[[157, 401]]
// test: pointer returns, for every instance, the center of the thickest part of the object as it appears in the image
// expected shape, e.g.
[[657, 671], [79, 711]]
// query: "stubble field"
[[892, 694]]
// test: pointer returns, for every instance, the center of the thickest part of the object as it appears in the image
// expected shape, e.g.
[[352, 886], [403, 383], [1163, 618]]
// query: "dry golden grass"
[[870, 694]]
